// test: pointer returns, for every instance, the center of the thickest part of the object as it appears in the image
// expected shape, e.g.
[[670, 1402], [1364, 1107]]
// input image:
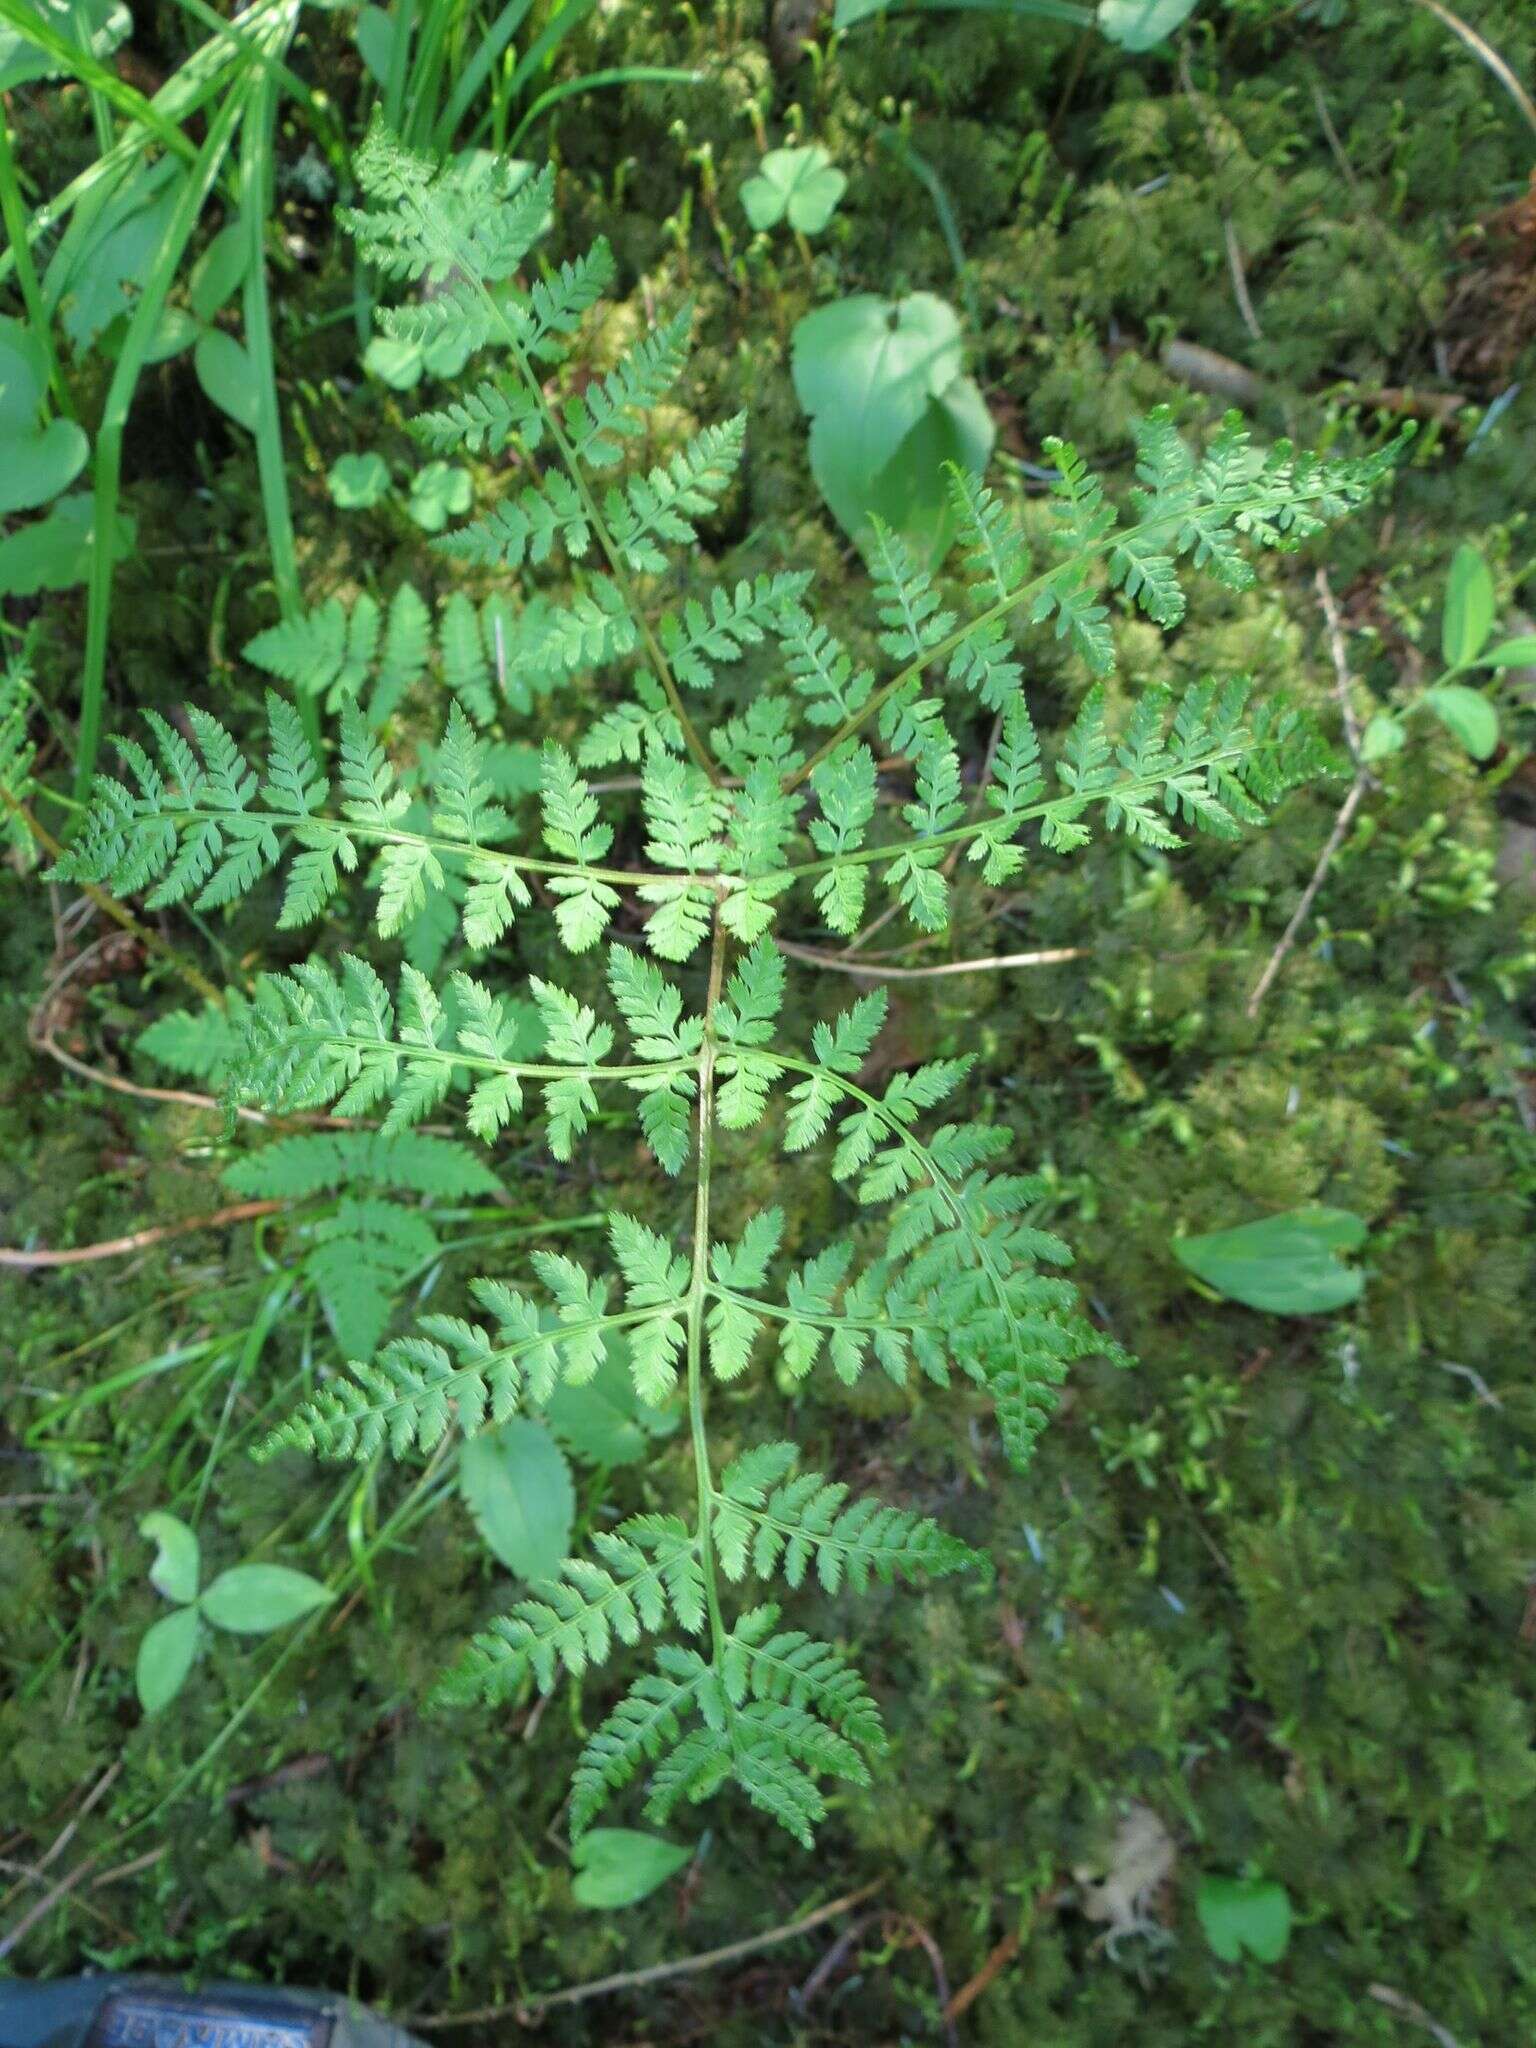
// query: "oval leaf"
[[1468, 617], [619, 1866], [603, 1420], [1287, 1265], [219, 271], [178, 1562], [225, 373], [1517, 653], [1467, 716], [517, 1485], [250, 1599], [165, 1657]]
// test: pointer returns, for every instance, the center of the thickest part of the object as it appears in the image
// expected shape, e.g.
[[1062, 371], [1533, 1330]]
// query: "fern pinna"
[[836, 792]]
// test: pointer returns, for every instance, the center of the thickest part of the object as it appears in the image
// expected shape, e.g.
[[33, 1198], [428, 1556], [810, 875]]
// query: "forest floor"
[[1266, 1604]]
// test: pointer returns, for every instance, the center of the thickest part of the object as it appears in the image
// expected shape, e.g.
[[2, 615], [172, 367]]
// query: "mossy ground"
[[1273, 1585]]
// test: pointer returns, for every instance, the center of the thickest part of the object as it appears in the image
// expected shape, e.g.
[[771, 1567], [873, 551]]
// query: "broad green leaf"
[[871, 375], [357, 482], [439, 492], [1382, 736], [1286, 1264], [1245, 1915], [103, 258], [1517, 653], [1139, 25], [107, 24], [35, 468], [801, 186], [224, 371], [603, 1421], [219, 272], [176, 329], [251, 1599], [1469, 717], [909, 494], [1468, 616], [37, 462], [54, 553], [165, 1657], [516, 1483], [178, 1561], [620, 1866]]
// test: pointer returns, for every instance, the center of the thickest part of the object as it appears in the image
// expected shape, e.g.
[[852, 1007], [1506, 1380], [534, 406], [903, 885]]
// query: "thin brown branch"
[[115, 1247], [871, 970], [528, 2012], [1341, 825], [1410, 2009], [110, 906]]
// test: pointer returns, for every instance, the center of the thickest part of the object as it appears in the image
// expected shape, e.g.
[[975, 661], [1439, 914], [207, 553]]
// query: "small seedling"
[[800, 186], [248, 1599], [1466, 626]]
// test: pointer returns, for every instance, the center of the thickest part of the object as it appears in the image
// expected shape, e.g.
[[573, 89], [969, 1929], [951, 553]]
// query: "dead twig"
[[528, 2012], [1052, 956], [1399, 2002], [1363, 781], [992, 1968], [115, 1247]]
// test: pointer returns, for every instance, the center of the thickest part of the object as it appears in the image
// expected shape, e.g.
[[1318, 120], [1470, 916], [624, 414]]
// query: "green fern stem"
[[973, 627], [553, 426], [1011, 822], [698, 1289]]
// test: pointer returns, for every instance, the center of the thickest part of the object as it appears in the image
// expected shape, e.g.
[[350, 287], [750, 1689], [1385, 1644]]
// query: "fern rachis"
[[783, 810]]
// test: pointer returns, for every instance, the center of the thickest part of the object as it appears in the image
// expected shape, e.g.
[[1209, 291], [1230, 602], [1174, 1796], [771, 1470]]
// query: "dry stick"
[[527, 2012], [114, 1247], [1341, 824], [1396, 2001], [1218, 163], [992, 1968], [190, 1096], [1488, 55], [870, 970]]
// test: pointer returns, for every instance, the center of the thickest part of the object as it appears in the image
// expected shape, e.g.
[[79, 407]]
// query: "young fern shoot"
[[740, 823]]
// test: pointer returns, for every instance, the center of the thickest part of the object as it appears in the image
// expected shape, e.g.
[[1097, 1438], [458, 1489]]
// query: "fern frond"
[[650, 1568]]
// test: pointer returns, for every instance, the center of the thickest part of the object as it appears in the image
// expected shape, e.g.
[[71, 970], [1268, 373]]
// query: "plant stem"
[[698, 1287], [255, 184], [13, 214]]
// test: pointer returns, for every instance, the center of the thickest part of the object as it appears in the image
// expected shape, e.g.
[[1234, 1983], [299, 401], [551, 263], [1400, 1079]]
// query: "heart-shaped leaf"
[[619, 1866], [879, 382], [37, 461], [1467, 716], [517, 1485], [1245, 1915], [178, 1561], [1287, 1264], [357, 482], [251, 1599], [798, 185], [1469, 601], [165, 1657]]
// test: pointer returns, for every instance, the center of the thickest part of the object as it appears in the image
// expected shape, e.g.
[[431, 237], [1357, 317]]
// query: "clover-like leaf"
[[178, 1560], [802, 186], [358, 482], [165, 1657], [1244, 1916], [252, 1599]]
